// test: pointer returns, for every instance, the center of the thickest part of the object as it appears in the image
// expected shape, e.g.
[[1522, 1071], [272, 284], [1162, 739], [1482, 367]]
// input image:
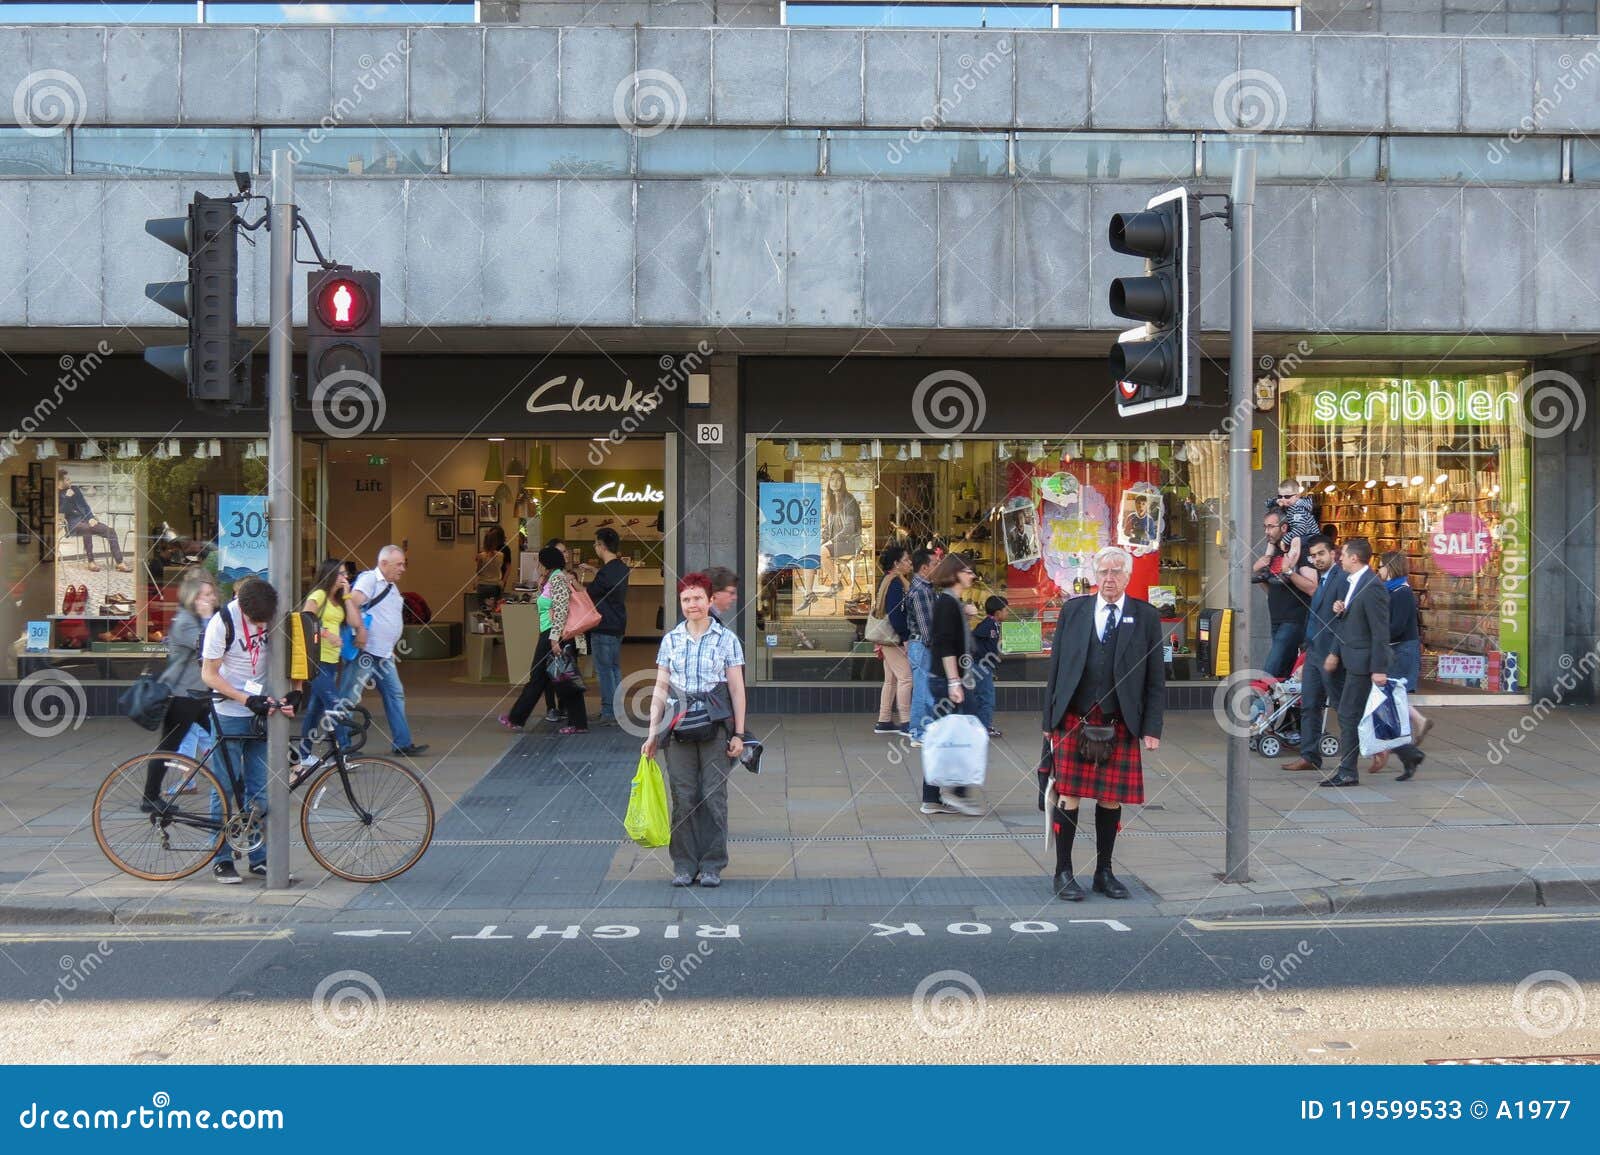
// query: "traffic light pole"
[[280, 502], [1241, 366]]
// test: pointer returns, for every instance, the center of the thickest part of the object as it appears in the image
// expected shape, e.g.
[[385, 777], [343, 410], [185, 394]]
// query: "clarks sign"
[[566, 394]]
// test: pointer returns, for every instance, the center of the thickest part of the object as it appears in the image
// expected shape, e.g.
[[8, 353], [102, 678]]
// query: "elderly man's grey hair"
[[1113, 557], [388, 552]]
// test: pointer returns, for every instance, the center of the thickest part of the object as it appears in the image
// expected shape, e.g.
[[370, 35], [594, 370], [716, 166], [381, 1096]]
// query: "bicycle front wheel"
[[368, 822], [153, 816]]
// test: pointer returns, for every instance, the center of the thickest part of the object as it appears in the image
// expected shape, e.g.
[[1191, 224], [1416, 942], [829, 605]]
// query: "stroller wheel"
[[1329, 746], [1270, 746]]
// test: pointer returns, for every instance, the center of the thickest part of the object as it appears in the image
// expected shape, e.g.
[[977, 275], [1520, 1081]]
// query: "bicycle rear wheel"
[[401, 819], [170, 838]]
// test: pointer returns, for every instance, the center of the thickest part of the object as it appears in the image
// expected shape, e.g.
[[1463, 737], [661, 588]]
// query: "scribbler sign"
[[1460, 544], [1405, 400]]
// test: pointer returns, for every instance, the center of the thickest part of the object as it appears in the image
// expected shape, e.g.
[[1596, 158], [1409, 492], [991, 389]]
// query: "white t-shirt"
[[245, 661], [388, 618]]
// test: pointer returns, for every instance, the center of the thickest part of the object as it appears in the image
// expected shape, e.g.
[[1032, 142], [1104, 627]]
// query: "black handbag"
[[694, 724], [564, 667], [145, 702]]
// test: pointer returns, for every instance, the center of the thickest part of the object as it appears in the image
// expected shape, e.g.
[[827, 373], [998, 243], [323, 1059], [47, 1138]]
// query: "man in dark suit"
[[1106, 669], [1361, 647], [1319, 687]]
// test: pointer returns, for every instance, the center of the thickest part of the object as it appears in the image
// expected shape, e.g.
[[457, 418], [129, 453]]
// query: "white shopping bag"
[[955, 751], [1380, 695]]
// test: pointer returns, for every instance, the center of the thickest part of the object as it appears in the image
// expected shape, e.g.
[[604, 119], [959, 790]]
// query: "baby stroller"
[[1275, 716]]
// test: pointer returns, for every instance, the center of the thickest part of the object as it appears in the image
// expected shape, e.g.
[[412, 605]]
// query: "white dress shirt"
[[1350, 590], [1102, 609]]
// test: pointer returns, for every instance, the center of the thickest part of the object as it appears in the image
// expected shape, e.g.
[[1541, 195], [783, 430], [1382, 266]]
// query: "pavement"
[[531, 826]]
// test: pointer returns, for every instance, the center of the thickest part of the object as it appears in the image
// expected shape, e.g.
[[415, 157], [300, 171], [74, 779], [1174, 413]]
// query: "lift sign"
[[1460, 544]]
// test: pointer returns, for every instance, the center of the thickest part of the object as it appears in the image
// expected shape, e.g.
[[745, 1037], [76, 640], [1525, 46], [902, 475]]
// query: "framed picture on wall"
[[488, 509], [467, 501], [439, 505], [467, 526], [445, 529]]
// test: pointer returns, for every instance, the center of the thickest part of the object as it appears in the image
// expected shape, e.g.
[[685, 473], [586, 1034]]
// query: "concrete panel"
[[976, 78], [825, 275], [444, 252], [292, 75], [1348, 76], [1052, 256], [520, 71], [684, 56], [1475, 23], [1052, 80], [748, 241], [13, 67], [217, 72], [1123, 92], [14, 255], [824, 76], [594, 273], [902, 74], [133, 257], [595, 62], [519, 263], [1425, 258], [747, 81], [1566, 79], [139, 75], [900, 240], [1216, 258], [369, 75], [681, 14], [368, 230], [445, 83], [1351, 282], [66, 237], [976, 246], [1203, 79], [1498, 79], [1285, 260], [1424, 84], [1498, 281], [672, 237], [1567, 251], [1279, 65], [80, 53]]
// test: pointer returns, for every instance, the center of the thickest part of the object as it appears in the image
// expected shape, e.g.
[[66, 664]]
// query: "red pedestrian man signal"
[[342, 305]]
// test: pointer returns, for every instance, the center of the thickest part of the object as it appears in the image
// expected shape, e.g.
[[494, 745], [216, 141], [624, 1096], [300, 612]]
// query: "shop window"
[[916, 154], [151, 152], [357, 151], [1475, 159], [541, 152], [1104, 156], [23, 153], [738, 152], [1028, 514], [1434, 469], [1296, 157]]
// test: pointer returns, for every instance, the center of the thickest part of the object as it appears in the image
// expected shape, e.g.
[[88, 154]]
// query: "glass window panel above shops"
[[1028, 513], [148, 152], [1475, 159], [1434, 468], [557, 152], [24, 153], [357, 151], [888, 153], [730, 152], [1104, 156], [1295, 157]]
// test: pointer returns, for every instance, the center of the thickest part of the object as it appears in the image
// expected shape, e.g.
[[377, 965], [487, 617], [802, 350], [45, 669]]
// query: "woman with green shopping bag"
[[698, 710]]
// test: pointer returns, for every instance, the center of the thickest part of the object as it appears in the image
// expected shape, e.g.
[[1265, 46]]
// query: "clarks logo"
[[554, 397]]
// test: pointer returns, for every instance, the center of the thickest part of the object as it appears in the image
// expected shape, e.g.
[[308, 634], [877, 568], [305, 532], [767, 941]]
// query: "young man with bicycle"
[[235, 659]]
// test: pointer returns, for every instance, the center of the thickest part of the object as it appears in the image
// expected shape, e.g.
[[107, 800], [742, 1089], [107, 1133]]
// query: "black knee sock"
[[1105, 834], [1066, 826]]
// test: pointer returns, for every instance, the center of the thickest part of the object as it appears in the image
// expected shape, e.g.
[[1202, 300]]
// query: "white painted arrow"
[[368, 933]]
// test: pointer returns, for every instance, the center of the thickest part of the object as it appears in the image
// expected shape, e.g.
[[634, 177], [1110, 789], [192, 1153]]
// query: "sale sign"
[[790, 530], [241, 536], [1460, 544]]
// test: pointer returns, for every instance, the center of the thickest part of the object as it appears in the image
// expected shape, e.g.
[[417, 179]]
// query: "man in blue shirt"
[[919, 620]]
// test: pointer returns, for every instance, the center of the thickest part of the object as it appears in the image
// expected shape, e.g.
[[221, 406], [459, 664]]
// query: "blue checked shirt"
[[696, 666], [919, 608]]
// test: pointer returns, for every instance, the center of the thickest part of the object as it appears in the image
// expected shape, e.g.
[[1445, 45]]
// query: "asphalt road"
[[1382, 989]]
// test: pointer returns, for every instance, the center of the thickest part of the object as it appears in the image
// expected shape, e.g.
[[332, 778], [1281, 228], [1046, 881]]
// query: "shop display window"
[[1434, 468], [1028, 514]]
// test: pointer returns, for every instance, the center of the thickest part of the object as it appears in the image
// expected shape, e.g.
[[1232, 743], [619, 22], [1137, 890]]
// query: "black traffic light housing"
[[344, 325], [214, 363], [1157, 364]]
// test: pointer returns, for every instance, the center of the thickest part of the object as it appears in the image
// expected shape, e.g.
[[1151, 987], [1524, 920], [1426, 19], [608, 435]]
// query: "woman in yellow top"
[[325, 603]]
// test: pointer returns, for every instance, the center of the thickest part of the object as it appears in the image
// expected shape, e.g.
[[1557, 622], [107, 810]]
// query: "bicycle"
[[364, 819]]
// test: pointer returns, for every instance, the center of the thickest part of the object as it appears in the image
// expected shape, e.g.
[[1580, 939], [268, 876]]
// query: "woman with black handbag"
[[700, 670], [555, 662], [190, 703]]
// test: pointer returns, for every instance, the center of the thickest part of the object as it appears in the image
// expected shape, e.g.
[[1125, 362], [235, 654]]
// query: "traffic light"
[[344, 324], [214, 363], [1157, 364]]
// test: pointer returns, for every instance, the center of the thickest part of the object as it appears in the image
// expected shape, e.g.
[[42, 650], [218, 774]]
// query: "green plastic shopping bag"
[[649, 818]]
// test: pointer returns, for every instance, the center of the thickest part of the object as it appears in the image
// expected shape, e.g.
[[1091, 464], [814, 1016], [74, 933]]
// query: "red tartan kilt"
[[1119, 779]]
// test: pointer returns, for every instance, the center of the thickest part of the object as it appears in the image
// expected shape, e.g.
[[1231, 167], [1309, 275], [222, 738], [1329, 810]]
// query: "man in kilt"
[[1106, 670]]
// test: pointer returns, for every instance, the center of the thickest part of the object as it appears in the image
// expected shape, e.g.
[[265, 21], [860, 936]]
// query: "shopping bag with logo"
[[1386, 721], [649, 818], [955, 751]]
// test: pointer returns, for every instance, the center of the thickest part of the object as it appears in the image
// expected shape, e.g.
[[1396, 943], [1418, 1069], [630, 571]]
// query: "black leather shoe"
[[412, 750], [1106, 883], [1067, 889], [1341, 780], [1411, 768]]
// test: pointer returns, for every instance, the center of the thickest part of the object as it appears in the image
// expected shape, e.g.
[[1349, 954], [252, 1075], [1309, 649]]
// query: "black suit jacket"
[[1361, 633], [1320, 621], [1137, 668]]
